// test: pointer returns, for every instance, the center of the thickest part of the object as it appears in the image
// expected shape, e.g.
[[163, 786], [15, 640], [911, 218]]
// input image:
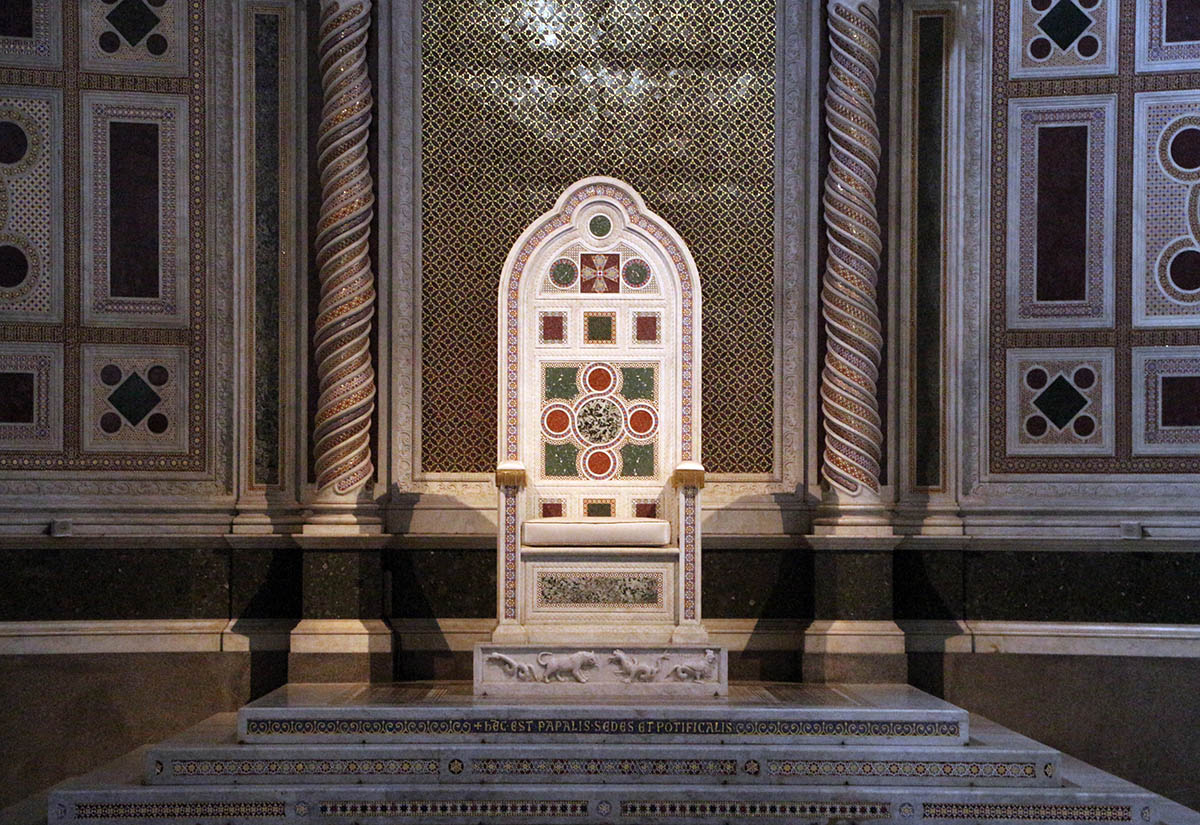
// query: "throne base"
[[583, 670]]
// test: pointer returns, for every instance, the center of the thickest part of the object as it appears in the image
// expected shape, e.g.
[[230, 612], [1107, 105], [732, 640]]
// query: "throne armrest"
[[510, 474], [689, 474]]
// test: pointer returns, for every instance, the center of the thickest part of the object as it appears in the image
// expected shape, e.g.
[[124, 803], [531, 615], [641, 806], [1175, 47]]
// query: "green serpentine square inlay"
[[599, 589], [560, 460], [637, 460], [637, 382], [560, 382]]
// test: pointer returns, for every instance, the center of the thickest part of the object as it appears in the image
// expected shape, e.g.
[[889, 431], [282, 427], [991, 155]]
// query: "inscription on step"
[[850, 728]]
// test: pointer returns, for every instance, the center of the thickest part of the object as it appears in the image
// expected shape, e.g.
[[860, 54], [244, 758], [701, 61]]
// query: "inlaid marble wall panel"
[[31, 392], [31, 33], [1166, 207], [135, 219], [134, 36], [106, 278], [1060, 401], [1050, 38], [1061, 211], [1095, 245], [1168, 35], [31, 254], [134, 399], [1166, 401]]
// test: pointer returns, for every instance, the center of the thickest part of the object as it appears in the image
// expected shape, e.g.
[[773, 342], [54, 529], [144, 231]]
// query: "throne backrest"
[[599, 356]]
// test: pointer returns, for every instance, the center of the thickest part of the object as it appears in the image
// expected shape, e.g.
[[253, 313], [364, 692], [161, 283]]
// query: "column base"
[[340, 650]]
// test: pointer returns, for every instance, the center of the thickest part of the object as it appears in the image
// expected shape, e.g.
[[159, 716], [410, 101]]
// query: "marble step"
[[442, 713], [116, 796], [209, 753]]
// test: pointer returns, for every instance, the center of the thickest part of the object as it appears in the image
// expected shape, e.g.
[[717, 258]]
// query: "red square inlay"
[[551, 509], [552, 328], [646, 509], [647, 328]]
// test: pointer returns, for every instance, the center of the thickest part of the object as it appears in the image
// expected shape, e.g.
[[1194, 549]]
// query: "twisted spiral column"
[[853, 434], [342, 450]]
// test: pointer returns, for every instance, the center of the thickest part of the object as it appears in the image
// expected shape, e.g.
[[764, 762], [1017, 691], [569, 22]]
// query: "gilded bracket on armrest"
[[689, 474], [510, 474]]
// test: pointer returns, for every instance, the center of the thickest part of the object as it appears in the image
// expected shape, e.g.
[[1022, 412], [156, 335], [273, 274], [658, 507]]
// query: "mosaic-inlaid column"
[[853, 436], [342, 450]]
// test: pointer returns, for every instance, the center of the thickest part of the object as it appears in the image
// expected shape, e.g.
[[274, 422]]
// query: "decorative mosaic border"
[[178, 810], [1154, 54], [557, 726], [1029, 811], [604, 767], [840, 768], [855, 812], [467, 807], [188, 768], [1025, 116], [1150, 365]]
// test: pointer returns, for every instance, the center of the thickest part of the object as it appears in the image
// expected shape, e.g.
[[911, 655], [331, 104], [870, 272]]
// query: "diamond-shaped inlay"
[[133, 19], [1060, 402], [1064, 23], [134, 399]]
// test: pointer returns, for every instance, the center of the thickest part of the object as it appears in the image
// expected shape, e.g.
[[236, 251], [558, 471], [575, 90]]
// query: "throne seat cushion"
[[596, 532]]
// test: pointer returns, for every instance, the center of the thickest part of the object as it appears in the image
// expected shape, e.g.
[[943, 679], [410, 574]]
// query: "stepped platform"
[[783, 753], [210, 753], [750, 714]]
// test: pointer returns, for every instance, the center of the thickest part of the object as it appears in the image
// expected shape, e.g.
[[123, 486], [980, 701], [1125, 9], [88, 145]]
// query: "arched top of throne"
[[599, 357]]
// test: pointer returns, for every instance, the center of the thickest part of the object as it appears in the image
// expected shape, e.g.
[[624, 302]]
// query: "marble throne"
[[598, 469]]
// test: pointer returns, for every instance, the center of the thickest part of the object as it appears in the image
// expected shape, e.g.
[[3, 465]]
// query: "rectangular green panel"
[[637, 383], [560, 383], [560, 460], [637, 460]]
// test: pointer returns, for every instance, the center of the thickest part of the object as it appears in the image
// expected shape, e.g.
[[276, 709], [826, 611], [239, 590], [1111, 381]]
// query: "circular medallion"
[[599, 378], [642, 421], [1084, 377], [600, 225], [636, 273], [599, 421], [563, 273], [1036, 378], [556, 420], [1179, 148], [1036, 426], [1178, 271], [1040, 48], [20, 267], [1088, 46], [599, 464]]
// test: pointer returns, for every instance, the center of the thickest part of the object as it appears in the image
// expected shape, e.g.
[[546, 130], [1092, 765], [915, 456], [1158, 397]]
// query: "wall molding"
[[459, 635]]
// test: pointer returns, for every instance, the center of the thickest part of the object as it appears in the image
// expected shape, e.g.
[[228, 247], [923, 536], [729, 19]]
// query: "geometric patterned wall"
[[517, 106], [1095, 237], [102, 243]]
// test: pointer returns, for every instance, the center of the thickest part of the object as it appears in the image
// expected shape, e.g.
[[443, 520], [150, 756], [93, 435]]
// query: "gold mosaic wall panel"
[[519, 100]]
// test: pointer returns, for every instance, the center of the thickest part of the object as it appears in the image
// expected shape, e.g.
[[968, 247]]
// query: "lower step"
[[1094, 797], [210, 754]]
